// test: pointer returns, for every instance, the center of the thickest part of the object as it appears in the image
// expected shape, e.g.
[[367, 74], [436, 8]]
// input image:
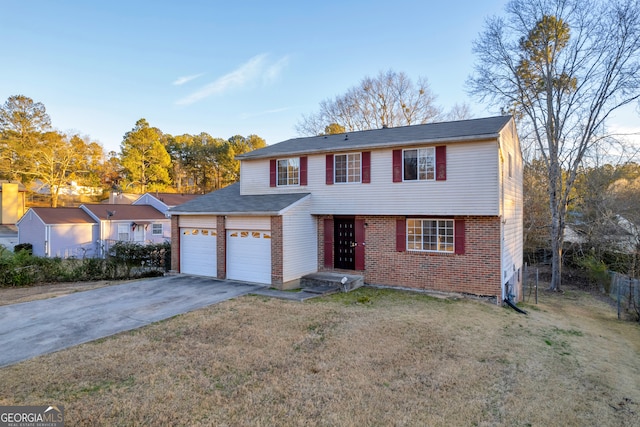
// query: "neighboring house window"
[[123, 232], [430, 235], [419, 164], [347, 168], [156, 229]]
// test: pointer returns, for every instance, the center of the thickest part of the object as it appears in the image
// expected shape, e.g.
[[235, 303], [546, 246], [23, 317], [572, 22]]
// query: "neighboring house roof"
[[228, 201], [174, 199], [124, 212], [463, 130], [52, 216]]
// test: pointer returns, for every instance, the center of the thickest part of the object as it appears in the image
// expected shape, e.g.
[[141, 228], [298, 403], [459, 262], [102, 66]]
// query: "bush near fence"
[[125, 261]]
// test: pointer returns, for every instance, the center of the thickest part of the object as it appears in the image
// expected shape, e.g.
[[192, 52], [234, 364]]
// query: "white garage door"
[[198, 251], [249, 255]]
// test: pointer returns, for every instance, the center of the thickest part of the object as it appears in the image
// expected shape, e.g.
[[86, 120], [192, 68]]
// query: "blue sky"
[[225, 68]]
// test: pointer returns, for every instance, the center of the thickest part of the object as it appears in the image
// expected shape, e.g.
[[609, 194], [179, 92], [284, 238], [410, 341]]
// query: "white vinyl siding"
[[511, 194], [471, 187], [300, 250]]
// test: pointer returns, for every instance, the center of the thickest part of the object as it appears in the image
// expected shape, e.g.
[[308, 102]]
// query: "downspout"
[[503, 293]]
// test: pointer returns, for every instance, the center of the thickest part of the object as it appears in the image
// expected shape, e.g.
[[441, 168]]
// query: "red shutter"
[[329, 169], [458, 225], [303, 170], [366, 167], [401, 235], [272, 173], [359, 235], [397, 165], [328, 242], [441, 163]]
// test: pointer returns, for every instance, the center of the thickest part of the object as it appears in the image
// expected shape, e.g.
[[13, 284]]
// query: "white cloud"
[[182, 80], [264, 113], [257, 68]]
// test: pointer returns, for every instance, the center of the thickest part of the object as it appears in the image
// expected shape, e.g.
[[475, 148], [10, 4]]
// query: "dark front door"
[[344, 243]]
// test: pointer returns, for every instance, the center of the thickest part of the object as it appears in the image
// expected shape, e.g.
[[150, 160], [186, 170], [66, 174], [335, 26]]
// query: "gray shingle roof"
[[228, 201], [462, 130]]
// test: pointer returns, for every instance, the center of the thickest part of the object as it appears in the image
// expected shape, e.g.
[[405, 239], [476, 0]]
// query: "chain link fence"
[[626, 292]]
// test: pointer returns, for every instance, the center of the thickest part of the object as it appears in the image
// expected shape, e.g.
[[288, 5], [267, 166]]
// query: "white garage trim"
[[249, 255], [248, 223], [198, 251], [206, 221]]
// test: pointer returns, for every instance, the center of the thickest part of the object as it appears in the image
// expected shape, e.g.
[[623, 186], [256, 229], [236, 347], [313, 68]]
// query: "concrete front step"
[[328, 282]]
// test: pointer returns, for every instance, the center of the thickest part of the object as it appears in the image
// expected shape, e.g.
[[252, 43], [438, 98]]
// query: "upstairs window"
[[347, 168], [288, 172], [419, 164]]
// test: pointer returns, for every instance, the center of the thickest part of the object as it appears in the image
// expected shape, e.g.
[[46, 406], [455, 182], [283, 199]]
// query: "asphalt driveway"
[[39, 327]]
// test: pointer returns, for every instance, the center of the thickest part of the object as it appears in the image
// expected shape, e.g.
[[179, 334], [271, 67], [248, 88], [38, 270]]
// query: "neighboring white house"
[[89, 230], [59, 232], [435, 206]]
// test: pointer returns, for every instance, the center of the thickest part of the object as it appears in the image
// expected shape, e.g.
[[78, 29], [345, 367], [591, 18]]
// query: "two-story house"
[[435, 206]]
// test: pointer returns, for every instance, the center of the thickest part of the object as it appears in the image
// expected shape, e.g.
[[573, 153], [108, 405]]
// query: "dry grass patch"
[[370, 357]]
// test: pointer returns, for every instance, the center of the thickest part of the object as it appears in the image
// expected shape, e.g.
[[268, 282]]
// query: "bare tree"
[[561, 66], [389, 99]]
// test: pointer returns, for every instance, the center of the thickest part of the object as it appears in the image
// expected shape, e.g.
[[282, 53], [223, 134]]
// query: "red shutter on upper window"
[[401, 235], [329, 169], [397, 165], [366, 167], [272, 173], [328, 242], [303, 170], [459, 236], [441, 163]]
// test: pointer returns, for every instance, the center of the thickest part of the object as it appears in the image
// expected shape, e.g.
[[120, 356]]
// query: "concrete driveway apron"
[[39, 327]]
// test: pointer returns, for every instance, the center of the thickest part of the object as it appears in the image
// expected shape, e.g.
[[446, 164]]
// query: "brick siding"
[[276, 252], [175, 243], [477, 271]]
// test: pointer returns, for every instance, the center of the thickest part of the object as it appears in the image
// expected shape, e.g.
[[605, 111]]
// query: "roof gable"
[[51, 216], [463, 130]]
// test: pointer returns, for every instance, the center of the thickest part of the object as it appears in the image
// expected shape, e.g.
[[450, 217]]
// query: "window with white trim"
[[347, 168], [288, 171], [419, 164], [123, 232], [156, 229], [430, 235]]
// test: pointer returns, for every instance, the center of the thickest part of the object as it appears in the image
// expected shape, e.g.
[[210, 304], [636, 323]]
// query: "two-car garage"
[[248, 251]]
